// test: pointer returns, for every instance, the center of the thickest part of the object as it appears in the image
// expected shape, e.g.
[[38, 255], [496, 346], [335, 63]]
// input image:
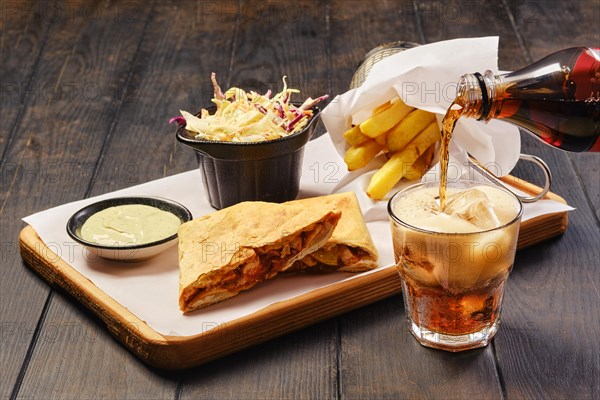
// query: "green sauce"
[[129, 224]]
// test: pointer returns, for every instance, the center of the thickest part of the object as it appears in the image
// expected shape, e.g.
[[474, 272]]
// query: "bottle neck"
[[479, 94]]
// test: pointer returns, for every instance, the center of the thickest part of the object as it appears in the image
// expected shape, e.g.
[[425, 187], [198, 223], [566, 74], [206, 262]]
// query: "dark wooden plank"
[[588, 167], [22, 295], [75, 358], [357, 27], [301, 365], [560, 361], [545, 27], [276, 39], [579, 14], [156, 87], [380, 358], [23, 35], [84, 66], [444, 21], [184, 44], [547, 348], [171, 74]]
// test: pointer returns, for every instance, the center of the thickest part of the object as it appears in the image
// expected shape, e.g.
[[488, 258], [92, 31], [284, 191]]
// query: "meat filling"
[[337, 256], [269, 260]]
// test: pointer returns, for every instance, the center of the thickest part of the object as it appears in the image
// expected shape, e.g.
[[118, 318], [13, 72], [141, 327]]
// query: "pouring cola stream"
[[385, 50]]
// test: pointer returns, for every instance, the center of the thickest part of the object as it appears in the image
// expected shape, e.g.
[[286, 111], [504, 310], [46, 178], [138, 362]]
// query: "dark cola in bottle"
[[557, 98]]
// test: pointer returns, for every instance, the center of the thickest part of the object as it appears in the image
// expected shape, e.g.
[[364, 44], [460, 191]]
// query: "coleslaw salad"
[[242, 116]]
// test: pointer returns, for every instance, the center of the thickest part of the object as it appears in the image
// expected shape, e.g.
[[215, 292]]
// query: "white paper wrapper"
[[150, 289], [425, 77]]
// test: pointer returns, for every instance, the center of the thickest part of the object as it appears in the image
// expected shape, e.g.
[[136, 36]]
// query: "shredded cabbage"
[[249, 117]]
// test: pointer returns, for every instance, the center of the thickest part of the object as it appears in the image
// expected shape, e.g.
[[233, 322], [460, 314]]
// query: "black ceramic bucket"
[[233, 172]]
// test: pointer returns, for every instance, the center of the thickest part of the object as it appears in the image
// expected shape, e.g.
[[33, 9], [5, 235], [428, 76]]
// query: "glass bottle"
[[557, 98]]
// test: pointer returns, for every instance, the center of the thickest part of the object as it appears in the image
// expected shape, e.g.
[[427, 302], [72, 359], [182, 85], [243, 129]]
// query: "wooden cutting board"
[[177, 352]]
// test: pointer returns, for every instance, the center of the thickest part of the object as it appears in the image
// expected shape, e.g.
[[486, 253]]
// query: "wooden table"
[[87, 90]]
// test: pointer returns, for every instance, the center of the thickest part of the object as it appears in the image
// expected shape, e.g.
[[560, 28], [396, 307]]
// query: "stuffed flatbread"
[[350, 248], [234, 249]]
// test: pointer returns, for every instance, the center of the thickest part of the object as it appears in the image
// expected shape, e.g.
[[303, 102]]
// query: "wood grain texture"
[[181, 352], [548, 349], [369, 353], [73, 344], [23, 33], [293, 42], [588, 168], [443, 21], [168, 77], [176, 352], [274, 39], [357, 28], [58, 142], [546, 346], [550, 307], [381, 359], [156, 72], [545, 27], [271, 370], [385, 349], [182, 47]]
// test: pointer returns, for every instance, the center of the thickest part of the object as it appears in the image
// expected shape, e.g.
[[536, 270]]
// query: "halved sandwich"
[[238, 247], [350, 248]]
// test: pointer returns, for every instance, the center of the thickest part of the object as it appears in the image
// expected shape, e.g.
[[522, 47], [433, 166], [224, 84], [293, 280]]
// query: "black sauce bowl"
[[133, 252], [233, 172]]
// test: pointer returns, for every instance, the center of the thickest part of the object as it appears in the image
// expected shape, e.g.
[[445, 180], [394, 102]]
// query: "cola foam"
[[454, 262]]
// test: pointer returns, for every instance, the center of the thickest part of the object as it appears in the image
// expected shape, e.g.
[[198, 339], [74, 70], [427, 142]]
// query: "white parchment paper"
[[425, 77], [150, 289]]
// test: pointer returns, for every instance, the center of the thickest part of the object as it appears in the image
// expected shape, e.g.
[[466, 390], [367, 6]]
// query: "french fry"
[[381, 107], [381, 139], [380, 123], [358, 156], [392, 171], [408, 135], [427, 137], [386, 178], [355, 137], [417, 170], [407, 129]]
